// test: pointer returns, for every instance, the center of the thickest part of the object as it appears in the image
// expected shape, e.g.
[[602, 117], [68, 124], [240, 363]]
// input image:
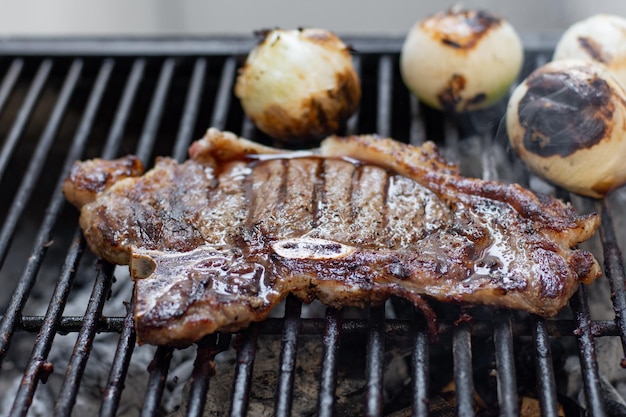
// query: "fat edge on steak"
[[215, 242]]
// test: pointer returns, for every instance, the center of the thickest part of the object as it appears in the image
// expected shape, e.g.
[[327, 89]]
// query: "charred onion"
[[461, 60], [566, 121], [601, 39], [299, 84]]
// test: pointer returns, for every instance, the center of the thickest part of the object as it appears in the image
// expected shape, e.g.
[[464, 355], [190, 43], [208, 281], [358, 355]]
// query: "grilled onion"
[[461, 60], [601, 39], [299, 84], [567, 122]]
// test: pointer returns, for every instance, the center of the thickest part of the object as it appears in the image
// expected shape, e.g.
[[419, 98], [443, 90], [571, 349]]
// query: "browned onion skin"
[[299, 85], [566, 122]]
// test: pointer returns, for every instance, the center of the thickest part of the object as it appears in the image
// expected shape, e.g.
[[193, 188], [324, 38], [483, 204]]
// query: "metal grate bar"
[[385, 96], [160, 363], [420, 362], [190, 114], [93, 315], [353, 122], [26, 282], [243, 372], [247, 128], [158, 369], [9, 80], [505, 362], [545, 372], [328, 376], [24, 115], [503, 334], [587, 352], [114, 139], [222, 100], [86, 334], [119, 368], [288, 350], [57, 201], [417, 134], [464, 383], [197, 396], [614, 268], [203, 369], [375, 363], [480, 328], [146, 141], [38, 367]]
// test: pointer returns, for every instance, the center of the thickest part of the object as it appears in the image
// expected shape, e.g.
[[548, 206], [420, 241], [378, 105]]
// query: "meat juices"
[[216, 242]]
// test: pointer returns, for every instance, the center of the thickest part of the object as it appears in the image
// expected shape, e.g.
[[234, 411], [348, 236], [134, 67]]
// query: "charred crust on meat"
[[562, 113], [212, 276], [593, 49]]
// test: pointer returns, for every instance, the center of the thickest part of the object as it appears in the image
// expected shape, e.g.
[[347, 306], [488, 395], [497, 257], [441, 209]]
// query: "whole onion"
[[461, 60], [601, 39], [299, 85], [567, 122]]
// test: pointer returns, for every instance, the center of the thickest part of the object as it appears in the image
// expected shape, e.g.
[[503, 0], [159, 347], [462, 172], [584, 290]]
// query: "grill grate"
[[64, 100]]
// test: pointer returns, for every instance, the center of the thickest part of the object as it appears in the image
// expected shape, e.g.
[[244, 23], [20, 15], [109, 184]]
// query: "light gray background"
[[197, 18]]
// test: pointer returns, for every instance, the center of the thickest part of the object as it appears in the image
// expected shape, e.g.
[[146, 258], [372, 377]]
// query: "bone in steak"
[[217, 241]]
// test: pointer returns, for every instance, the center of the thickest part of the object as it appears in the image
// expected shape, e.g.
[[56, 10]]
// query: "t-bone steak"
[[216, 242]]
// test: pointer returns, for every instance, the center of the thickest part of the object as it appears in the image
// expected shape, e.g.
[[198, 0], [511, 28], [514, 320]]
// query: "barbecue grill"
[[62, 100]]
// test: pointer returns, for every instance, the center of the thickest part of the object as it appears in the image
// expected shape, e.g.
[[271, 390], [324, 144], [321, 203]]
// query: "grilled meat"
[[217, 241]]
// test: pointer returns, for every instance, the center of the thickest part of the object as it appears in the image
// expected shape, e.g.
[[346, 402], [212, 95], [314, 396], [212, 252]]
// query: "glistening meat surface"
[[216, 242]]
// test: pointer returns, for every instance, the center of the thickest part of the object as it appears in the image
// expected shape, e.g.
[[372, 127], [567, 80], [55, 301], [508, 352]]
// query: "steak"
[[215, 242]]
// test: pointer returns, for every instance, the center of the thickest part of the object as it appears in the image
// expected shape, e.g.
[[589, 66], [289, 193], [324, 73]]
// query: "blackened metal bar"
[[417, 133], [464, 382], [8, 82], [505, 362], [159, 366], [247, 128], [151, 125], [27, 280], [116, 133], [421, 362], [352, 125], [92, 320], [119, 367], [587, 352], [288, 351], [385, 96], [545, 373], [39, 156], [203, 370], [374, 363], [451, 135], [190, 112], [156, 383], [614, 268], [86, 334], [57, 200], [197, 396], [224, 93], [243, 372], [328, 377], [311, 326], [24, 114], [38, 367]]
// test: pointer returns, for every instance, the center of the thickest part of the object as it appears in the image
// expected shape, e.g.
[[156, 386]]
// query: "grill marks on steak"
[[215, 242]]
